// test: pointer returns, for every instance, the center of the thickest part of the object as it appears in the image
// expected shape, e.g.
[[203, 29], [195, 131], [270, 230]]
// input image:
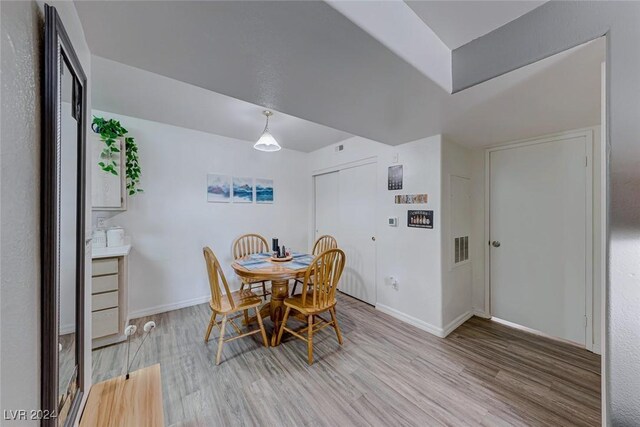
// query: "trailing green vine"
[[109, 131]]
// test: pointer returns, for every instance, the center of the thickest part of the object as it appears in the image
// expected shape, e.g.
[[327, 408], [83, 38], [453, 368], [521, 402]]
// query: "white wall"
[[479, 243], [19, 207], [456, 281], [171, 221], [22, 26], [411, 255]]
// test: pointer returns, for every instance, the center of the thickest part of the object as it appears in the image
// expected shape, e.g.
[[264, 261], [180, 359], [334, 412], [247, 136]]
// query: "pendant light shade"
[[267, 142]]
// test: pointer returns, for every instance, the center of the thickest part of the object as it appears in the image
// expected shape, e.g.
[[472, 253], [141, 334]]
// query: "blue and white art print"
[[264, 190], [218, 188], [242, 190]]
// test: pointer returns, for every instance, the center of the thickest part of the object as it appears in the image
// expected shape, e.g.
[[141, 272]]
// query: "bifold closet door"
[[327, 218], [356, 237]]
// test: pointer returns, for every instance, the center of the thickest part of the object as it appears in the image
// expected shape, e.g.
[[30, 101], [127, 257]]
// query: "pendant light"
[[267, 142]]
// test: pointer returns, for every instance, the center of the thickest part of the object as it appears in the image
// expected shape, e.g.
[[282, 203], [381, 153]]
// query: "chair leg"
[[221, 339], [283, 324], [335, 324], [212, 322], [310, 339], [262, 331], [264, 291], [246, 317]]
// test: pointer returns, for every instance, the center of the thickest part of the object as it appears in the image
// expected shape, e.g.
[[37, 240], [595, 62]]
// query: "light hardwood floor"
[[387, 373]]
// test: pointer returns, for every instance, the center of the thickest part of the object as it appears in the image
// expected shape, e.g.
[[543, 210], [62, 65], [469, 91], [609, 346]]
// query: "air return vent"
[[461, 249]]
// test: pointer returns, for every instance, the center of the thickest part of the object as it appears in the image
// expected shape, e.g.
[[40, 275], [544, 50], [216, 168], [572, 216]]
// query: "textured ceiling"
[[301, 58], [459, 22], [307, 60], [154, 97]]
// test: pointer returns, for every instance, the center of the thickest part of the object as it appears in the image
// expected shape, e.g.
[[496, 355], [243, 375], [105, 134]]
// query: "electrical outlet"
[[101, 221], [393, 282]]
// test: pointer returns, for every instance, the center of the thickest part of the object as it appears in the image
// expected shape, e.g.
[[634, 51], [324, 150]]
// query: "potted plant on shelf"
[[110, 130]]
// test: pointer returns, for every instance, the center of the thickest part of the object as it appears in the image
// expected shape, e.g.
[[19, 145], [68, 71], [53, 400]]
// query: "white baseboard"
[[168, 307], [420, 324], [105, 341], [67, 329], [453, 325], [481, 313]]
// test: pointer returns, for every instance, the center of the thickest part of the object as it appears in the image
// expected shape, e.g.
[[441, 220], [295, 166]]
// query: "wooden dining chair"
[[320, 297], [228, 304], [249, 244], [322, 244]]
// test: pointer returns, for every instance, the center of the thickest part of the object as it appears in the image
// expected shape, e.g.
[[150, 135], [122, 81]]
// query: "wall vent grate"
[[461, 249]]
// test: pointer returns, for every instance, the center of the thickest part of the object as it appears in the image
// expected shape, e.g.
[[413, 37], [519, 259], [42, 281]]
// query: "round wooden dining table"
[[279, 274]]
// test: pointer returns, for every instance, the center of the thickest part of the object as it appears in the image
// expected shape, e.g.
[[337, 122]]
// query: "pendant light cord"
[[266, 126]]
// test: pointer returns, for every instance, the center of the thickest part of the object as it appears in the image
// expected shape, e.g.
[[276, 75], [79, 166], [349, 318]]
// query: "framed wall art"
[[264, 190], [420, 219], [218, 188], [242, 190], [395, 177]]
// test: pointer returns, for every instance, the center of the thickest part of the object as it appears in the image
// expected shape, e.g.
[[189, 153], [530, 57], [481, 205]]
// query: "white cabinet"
[[109, 285], [108, 191], [104, 323]]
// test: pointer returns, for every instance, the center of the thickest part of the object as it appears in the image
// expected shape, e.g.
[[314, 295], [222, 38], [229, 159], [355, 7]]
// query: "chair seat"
[[242, 300], [295, 302]]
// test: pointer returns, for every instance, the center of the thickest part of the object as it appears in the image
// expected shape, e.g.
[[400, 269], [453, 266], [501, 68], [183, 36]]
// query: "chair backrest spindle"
[[249, 244], [216, 275], [324, 243], [322, 278]]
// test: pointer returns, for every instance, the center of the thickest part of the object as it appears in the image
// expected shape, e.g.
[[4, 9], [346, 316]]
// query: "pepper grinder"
[[274, 244]]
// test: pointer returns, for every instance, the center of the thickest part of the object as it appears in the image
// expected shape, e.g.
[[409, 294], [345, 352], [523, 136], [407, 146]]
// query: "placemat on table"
[[255, 265]]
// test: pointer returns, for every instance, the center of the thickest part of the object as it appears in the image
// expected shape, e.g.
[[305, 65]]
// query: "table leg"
[[279, 291]]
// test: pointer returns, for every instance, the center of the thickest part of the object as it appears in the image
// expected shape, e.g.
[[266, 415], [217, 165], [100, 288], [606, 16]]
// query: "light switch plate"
[[393, 221]]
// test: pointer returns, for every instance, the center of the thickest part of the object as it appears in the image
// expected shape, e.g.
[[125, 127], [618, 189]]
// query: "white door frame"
[[588, 134]]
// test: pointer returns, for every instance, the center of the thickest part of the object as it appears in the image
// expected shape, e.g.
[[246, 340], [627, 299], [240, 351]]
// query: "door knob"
[[495, 244]]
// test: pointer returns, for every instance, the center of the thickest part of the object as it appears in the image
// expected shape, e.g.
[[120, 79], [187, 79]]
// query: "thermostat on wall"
[[393, 221]]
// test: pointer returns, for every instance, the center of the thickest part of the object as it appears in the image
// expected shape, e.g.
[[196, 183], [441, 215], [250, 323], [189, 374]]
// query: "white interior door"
[[327, 205], [357, 231], [538, 214]]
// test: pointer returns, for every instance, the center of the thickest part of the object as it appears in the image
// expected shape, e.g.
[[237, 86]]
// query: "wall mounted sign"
[[395, 177], [402, 199], [420, 219]]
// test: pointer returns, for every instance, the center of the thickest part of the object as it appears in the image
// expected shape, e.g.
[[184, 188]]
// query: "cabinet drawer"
[[104, 322], [106, 300], [104, 284], [100, 267]]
